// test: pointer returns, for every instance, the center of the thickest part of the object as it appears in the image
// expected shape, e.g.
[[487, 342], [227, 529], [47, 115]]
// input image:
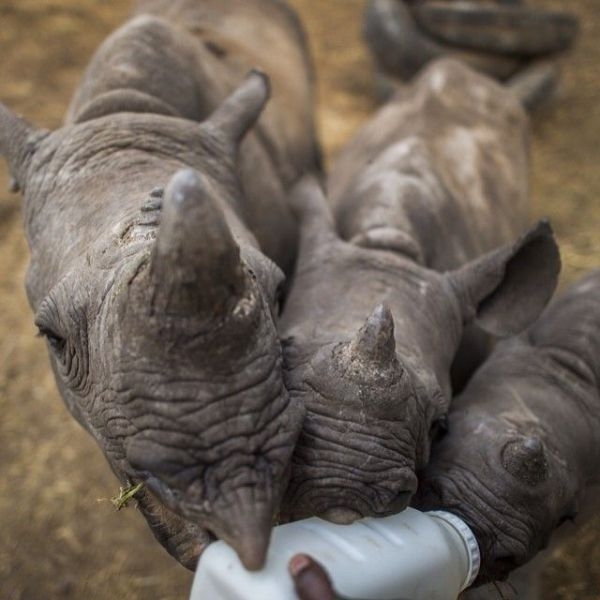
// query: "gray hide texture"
[[422, 194], [496, 38], [146, 215], [523, 438]]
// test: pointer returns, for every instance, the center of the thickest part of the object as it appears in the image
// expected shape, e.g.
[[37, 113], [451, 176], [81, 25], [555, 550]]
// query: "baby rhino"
[[144, 215], [523, 441], [431, 196]]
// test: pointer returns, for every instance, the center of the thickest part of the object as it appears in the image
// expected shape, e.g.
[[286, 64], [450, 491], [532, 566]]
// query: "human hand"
[[310, 579]]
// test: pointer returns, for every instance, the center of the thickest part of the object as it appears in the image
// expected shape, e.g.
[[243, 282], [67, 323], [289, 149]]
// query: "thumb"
[[310, 579]]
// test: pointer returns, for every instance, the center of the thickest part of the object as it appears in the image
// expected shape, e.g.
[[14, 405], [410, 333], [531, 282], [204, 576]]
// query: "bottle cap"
[[469, 539]]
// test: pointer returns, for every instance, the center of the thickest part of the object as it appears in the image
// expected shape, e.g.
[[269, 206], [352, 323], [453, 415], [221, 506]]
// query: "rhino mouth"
[[178, 525], [344, 515], [241, 516], [183, 539], [337, 502], [505, 534]]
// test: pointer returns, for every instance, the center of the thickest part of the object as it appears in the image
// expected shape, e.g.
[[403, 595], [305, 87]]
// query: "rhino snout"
[[339, 496], [340, 515], [241, 516]]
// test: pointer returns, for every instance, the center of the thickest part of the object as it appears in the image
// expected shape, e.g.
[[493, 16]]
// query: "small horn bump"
[[375, 340], [525, 459]]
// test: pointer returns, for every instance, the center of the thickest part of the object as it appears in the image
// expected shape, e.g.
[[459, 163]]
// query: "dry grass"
[[57, 540]]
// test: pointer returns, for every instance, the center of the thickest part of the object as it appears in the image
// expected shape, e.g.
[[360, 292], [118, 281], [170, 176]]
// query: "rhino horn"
[[526, 460], [375, 340], [196, 265]]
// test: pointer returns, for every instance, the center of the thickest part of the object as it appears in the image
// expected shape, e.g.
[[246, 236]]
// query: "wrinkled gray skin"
[[439, 174], [523, 438], [510, 41], [143, 214], [372, 325]]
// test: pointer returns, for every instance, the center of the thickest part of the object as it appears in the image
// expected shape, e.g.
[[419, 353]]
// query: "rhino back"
[[444, 163], [183, 58], [266, 34]]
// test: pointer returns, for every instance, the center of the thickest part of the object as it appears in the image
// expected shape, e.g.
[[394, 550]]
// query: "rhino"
[[159, 231], [516, 44], [420, 236], [522, 448]]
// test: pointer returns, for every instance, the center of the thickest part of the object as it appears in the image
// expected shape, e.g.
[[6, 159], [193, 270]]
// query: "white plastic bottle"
[[409, 556]]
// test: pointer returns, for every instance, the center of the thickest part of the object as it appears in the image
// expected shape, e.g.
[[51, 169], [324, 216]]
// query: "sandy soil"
[[59, 538]]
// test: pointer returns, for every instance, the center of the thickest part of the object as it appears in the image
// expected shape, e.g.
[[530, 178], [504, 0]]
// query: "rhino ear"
[[241, 109], [310, 208], [506, 290], [17, 143]]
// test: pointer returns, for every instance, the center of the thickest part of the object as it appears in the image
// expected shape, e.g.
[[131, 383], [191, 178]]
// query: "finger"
[[503, 29], [310, 579]]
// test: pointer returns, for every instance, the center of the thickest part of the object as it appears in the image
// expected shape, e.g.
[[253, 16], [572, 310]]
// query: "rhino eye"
[[57, 343], [72, 358], [70, 351]]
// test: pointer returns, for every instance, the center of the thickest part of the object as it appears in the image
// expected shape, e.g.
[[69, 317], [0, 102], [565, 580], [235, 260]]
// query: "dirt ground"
[[59, 538]]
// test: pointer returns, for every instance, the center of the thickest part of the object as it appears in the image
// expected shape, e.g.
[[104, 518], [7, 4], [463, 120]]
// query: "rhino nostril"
[[340, 515]]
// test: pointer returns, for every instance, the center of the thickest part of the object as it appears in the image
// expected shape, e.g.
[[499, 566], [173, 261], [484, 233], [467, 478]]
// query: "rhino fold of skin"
[[147, 215], [523, 444], [429, 198]]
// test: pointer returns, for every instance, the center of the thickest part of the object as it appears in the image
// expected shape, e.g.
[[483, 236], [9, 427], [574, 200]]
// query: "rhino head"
[[158, 312], [522, 444], [510, 484], [369, 338]]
